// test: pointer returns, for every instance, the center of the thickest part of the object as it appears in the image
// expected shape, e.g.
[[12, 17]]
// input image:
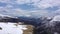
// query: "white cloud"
[[5, 1], [19, 12], [38, 13], [41, 3], [38, 3], [31, 13], [54, 13], [22, 1], [13, 12], [48, 3], [9, 6]]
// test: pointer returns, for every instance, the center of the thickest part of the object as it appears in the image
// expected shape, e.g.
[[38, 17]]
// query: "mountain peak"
[[56, 18]]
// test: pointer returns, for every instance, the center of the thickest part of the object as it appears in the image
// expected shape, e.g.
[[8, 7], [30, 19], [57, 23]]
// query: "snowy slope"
[[10, 28], [56, 18]]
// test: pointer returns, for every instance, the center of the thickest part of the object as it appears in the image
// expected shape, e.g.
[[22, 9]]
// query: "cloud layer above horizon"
[[30, 7]]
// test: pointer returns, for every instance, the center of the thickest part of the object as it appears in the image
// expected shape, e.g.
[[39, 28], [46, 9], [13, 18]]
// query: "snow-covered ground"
[[56, 18], [10, 28]]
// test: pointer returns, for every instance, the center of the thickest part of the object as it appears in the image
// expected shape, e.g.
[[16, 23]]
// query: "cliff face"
[[55, 27], [29, 30]]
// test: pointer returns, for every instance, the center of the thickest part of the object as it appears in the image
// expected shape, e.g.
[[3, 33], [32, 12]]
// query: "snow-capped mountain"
[[54, 25], [7, 18], [40, 23], [56, 18]]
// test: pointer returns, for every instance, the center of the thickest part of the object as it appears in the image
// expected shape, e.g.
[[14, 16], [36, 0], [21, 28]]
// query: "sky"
[[30, 8]]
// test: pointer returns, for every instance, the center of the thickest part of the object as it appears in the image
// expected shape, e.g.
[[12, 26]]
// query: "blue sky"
[[30, 7]]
